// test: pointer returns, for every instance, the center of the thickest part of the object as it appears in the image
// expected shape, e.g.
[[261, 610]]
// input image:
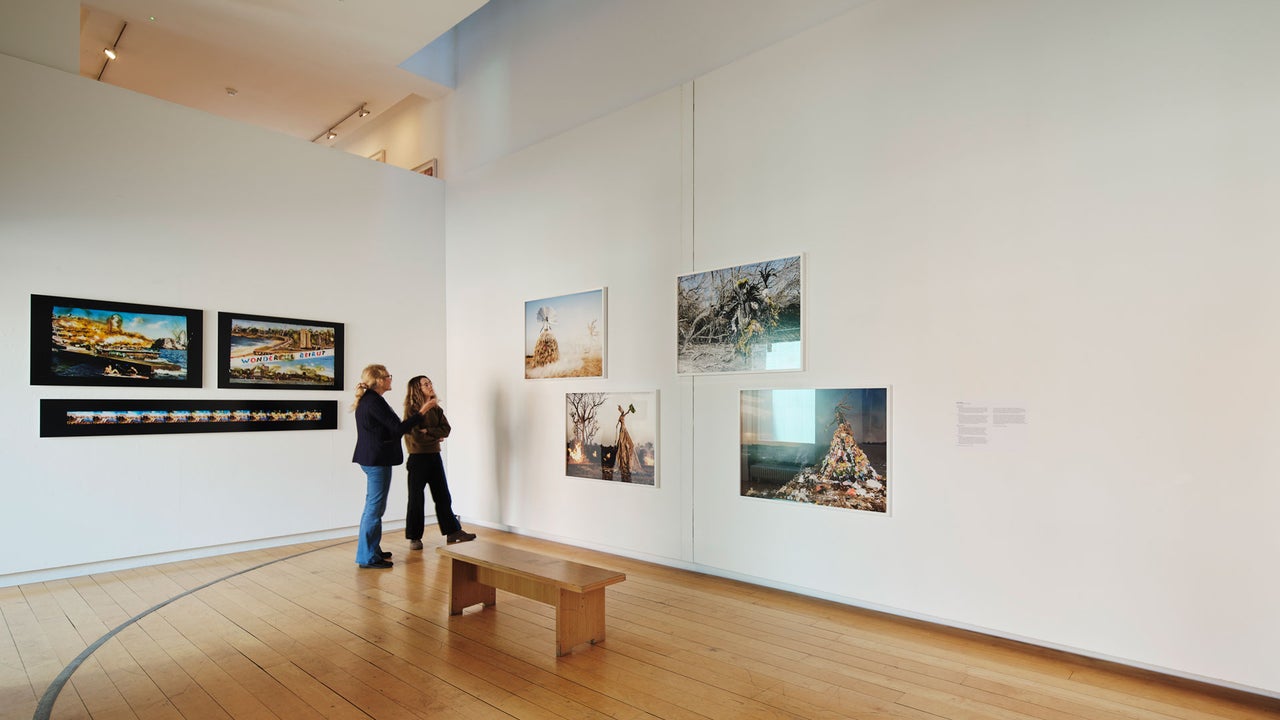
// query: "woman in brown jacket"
[[426, 469]]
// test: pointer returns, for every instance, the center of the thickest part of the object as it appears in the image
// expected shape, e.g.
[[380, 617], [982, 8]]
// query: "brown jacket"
[[425, 437]]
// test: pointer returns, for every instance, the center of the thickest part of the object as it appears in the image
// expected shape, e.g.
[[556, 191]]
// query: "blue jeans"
[[369, 545]]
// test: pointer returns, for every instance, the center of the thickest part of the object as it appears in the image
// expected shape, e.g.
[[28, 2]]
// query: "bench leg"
[[579, 619], [465, 590]]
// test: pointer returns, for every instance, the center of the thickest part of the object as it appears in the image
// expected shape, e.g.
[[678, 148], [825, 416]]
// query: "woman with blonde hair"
[[378, 431], [426, 469]]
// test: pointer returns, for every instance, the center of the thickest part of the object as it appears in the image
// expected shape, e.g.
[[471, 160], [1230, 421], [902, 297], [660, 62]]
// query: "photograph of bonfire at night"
[[824, 447], [612, 436]]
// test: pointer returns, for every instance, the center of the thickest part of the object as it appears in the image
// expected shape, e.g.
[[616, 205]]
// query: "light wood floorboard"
[[309, 636]]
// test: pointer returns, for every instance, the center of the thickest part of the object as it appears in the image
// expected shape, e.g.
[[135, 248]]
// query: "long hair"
[[414, 396], [370, 375]]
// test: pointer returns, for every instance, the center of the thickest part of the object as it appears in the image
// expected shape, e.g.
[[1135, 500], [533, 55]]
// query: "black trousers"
[[427, 470]]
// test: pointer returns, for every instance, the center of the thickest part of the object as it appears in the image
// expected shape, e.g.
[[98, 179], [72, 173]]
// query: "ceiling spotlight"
[[232, 91], [110, 52], [362, 110]]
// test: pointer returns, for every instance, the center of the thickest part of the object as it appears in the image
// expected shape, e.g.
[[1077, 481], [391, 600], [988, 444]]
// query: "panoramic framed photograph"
[[612, 436], [823, 447], [746, 318], [82, 418], [75, 341], [564, 336], [259, 352]]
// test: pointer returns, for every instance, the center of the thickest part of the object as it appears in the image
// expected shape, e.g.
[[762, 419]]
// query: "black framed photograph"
[[82, 418], [75, 341], [260, 352]]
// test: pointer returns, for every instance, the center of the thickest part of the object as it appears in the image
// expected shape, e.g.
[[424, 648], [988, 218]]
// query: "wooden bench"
[[575, 590]]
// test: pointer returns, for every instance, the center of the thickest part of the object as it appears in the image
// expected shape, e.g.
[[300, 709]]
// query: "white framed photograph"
[[745, 318], [564, 336], [612, 436]]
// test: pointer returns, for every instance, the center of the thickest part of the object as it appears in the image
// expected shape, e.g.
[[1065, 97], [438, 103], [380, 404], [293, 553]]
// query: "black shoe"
[[459, 536], [377, 565], [385, 554]]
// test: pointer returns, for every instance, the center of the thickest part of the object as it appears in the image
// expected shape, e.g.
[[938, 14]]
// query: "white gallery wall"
[[112, 195], [576, 213], [527, 71], [42, 31], [1061, 207]]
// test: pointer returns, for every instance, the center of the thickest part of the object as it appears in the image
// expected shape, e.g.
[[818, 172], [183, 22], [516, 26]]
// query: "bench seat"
[[575, 590]]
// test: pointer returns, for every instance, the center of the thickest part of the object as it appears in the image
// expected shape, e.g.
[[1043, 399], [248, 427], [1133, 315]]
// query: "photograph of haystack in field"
[[740, 319], [564, 336], [612, 436]]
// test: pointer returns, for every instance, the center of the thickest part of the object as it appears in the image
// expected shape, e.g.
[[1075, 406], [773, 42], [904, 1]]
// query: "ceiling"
[[296, 66]]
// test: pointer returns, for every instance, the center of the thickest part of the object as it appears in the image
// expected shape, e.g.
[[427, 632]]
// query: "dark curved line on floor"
[[45, 706]]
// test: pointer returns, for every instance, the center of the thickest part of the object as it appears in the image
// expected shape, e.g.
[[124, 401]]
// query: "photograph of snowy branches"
[[612, 436], [740, 319], [564, 336], [824, 447]]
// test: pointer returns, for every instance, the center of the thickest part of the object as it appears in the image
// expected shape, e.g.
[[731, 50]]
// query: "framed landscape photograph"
[[746, 318], [825, 447], [428, 168], [612, 436], [259, 352], [564, 336], [75, 341], [82, 418]]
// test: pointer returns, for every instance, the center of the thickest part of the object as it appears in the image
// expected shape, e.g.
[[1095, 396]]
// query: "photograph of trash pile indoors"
[[825, 447]]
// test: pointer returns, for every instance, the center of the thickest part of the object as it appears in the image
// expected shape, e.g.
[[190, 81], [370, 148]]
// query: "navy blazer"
[[378, 431]]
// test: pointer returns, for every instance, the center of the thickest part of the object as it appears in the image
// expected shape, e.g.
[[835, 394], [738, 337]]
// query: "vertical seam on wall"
[[693, 262]]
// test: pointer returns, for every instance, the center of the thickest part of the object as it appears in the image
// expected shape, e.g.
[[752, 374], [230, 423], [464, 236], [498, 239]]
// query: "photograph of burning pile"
[[612, 436]]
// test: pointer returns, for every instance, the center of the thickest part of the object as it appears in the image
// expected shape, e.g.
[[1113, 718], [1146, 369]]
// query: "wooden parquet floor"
[[300, 633]]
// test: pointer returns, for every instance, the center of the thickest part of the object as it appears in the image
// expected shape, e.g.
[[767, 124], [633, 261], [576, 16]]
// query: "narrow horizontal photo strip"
[[83, 418]]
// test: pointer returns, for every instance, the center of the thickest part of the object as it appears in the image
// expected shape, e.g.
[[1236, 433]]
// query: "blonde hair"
[[370, 375]]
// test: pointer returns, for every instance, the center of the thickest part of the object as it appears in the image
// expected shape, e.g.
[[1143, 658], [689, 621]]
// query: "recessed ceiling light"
[[232, 91]]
